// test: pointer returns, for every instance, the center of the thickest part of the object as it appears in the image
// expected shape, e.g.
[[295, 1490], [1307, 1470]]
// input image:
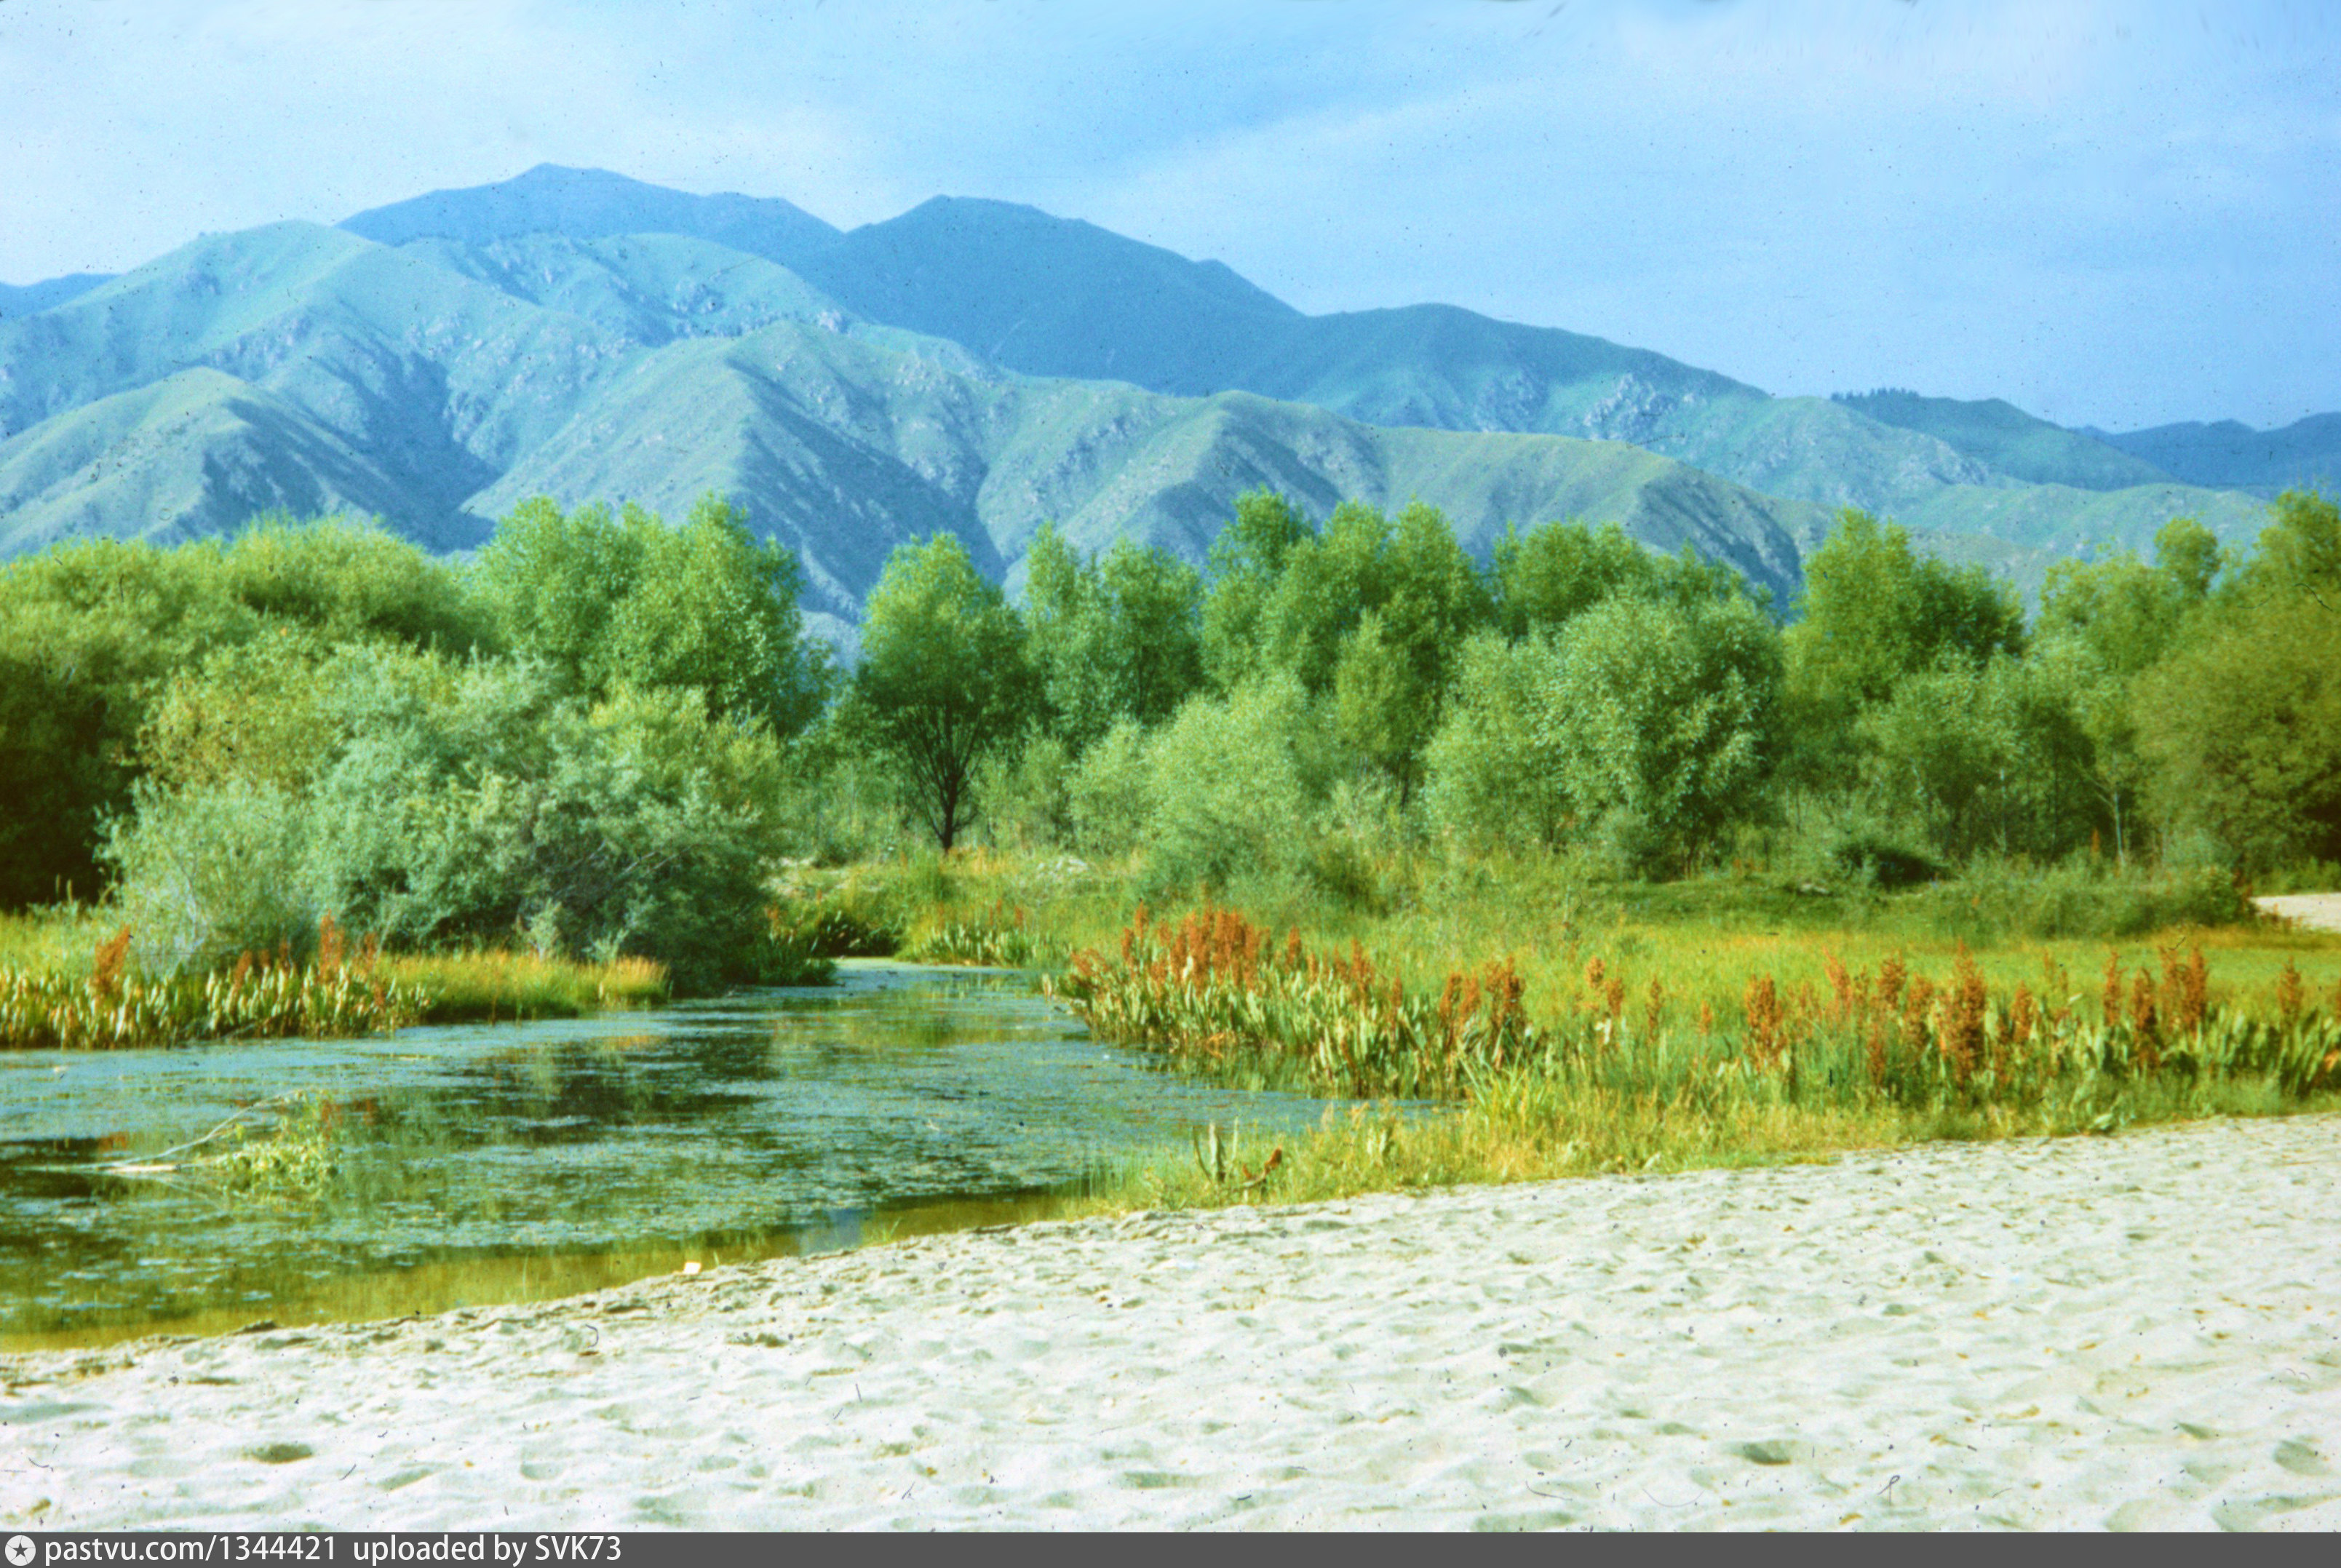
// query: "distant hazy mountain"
[[199, 452], [648, 288], [2006, 440], [974, 367], [592, 204], [2307, 454], [845, 448], [439, 382], [29, 298], [435, 382]]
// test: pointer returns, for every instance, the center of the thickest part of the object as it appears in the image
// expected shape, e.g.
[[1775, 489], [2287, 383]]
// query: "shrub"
[[1110, 793], [1237, 784], [212, 871], [1882, 863], [1492, 779]]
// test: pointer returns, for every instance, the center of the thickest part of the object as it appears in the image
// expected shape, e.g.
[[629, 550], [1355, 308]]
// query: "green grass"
[[493, 984], [1670, 1085], [66, 983]]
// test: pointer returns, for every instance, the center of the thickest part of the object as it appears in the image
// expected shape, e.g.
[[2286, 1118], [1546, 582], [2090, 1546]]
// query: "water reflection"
[[520, 1162]]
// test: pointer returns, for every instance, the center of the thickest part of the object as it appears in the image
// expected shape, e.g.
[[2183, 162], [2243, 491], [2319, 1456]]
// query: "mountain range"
[[971, 366]]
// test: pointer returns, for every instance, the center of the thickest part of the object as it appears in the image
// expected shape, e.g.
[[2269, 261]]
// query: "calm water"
[[515, 1162]]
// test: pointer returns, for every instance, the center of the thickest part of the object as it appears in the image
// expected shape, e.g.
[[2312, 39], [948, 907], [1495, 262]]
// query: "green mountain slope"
[[30, 298], [2064, 520], [2010, 441], [440, 381], [645, 288], [197, 453], [1057, 298], [844, 447]]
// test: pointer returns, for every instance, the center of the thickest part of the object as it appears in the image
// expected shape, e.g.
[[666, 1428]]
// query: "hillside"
[[846, 448], [2008, 440], [2305, 454], [977, 367], [31, 299], [592, 204], [438, 383]]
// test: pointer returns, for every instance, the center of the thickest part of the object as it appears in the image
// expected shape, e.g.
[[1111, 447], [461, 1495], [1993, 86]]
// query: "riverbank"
[[2131, 1331]]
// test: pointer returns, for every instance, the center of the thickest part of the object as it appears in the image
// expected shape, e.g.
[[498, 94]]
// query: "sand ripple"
[[2142, 1331]]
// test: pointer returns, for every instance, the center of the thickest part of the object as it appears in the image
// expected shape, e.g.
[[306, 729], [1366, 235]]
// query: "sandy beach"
[[2315, 911], [2141, 1331]]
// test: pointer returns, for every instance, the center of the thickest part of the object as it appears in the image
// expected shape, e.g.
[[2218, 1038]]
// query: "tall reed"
[[1218, 990], [263, 996]]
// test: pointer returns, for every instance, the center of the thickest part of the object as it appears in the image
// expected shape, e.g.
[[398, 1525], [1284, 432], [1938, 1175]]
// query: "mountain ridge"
[[436, 360]]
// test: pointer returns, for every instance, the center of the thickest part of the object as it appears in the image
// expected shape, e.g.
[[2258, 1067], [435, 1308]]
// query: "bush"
[[1110, 793], [438, 804], [214, 872], [1882, 863], [1491, 781], [1025, 795], [1237, 784], [1998, 900]]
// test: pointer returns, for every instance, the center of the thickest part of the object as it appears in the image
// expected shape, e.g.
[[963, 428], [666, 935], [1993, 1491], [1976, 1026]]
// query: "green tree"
[[2300, 551], [1237, 784], [349, 581], [2240, 728], [1492, 776], [2102, 625], [1661, 718], [87, 632], [944, 678], [625, 599], [1424, 596], [1111, 639], [1992, 758], [1547, 578], [1246, 559], [1873, 612]]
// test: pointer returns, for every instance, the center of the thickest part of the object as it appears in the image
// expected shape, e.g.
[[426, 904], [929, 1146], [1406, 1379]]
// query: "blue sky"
[[2110, 213]]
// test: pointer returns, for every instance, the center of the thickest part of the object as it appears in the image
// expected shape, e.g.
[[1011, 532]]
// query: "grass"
[[66, 983], [493, 984], [1721, 1021]]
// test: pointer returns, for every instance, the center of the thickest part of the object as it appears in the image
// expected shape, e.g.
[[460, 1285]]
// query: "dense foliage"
[[577, 744], [604, 735]]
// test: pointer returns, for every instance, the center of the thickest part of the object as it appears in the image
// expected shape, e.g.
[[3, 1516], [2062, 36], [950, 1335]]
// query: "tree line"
[[601, 732]]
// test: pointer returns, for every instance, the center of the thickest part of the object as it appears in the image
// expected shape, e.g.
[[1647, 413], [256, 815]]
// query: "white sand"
[[2317, 911], [2135, 1330]]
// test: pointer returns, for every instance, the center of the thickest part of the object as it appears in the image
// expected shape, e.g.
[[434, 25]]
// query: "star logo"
[[20, 1551]]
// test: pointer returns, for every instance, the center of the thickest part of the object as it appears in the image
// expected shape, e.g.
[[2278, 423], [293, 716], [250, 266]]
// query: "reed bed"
[[1001, 937], [1219, 990], [338, 992], [493, 985], [84, 999]]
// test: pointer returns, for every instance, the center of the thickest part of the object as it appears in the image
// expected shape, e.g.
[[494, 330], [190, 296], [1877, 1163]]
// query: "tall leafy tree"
[[624, 599], [2240, 722], [92, 631], [944, 679], [2102, 625], [1246, 561], [1875, 612], [1547, 577], [1663, 718], [1111, 639]]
